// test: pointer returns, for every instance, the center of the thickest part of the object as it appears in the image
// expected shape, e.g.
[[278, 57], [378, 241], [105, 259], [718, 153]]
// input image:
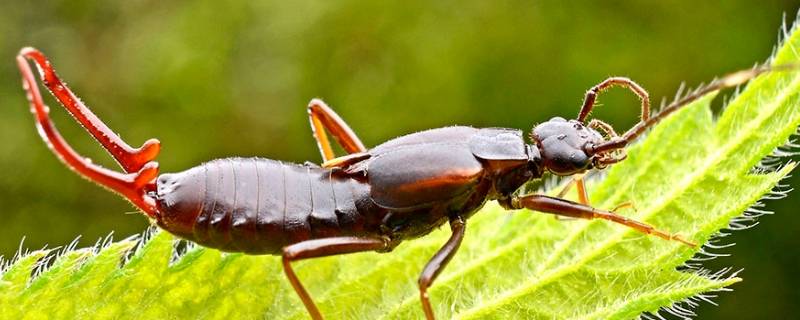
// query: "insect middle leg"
[[323, 118], [438, 263], [322, 248], [568, 208]]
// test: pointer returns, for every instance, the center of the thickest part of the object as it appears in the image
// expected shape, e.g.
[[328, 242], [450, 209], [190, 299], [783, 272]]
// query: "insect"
[[368, 200]]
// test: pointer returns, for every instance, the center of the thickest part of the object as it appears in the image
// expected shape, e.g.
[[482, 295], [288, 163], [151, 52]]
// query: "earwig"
[[370, 199]]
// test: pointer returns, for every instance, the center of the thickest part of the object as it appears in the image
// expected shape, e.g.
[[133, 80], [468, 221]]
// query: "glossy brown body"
[[404, 189], [259, 206], [369, 199]]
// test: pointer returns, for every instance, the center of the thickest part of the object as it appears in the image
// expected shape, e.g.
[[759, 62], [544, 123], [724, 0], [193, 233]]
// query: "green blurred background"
[[213, 79]]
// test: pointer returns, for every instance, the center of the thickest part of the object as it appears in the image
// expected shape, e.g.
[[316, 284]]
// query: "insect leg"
[[566, 188], [578, 182], [591, 96], [583, 196], [572, 209], [132, 185], [131, 159], [321, 248], [439, 262], [323, 118]]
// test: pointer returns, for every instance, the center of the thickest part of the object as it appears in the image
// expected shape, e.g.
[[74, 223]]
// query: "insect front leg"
[[438, 263], [324, 119], [583, 197], [580, 186], [568, 208], [322, 248]]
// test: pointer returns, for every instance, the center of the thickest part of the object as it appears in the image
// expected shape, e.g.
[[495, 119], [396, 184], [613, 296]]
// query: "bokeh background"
[[213, 79]]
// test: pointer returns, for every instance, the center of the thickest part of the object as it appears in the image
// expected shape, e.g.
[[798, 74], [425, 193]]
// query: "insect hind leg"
[[324, 119], [321, 248]]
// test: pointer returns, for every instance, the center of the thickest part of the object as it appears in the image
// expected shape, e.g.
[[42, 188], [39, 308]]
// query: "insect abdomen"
[[258, 205]]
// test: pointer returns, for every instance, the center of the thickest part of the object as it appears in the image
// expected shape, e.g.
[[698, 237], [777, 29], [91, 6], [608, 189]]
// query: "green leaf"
[[691, 175]]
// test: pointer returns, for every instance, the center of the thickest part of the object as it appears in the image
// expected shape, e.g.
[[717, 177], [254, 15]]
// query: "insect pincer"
[[562, 143]]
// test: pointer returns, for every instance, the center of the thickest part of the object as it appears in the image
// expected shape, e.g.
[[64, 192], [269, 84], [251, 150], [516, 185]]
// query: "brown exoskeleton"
[[369, 200]]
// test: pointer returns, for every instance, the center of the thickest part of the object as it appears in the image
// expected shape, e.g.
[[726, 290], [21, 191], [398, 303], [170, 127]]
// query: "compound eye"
[[578, 159], [563, 159]]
